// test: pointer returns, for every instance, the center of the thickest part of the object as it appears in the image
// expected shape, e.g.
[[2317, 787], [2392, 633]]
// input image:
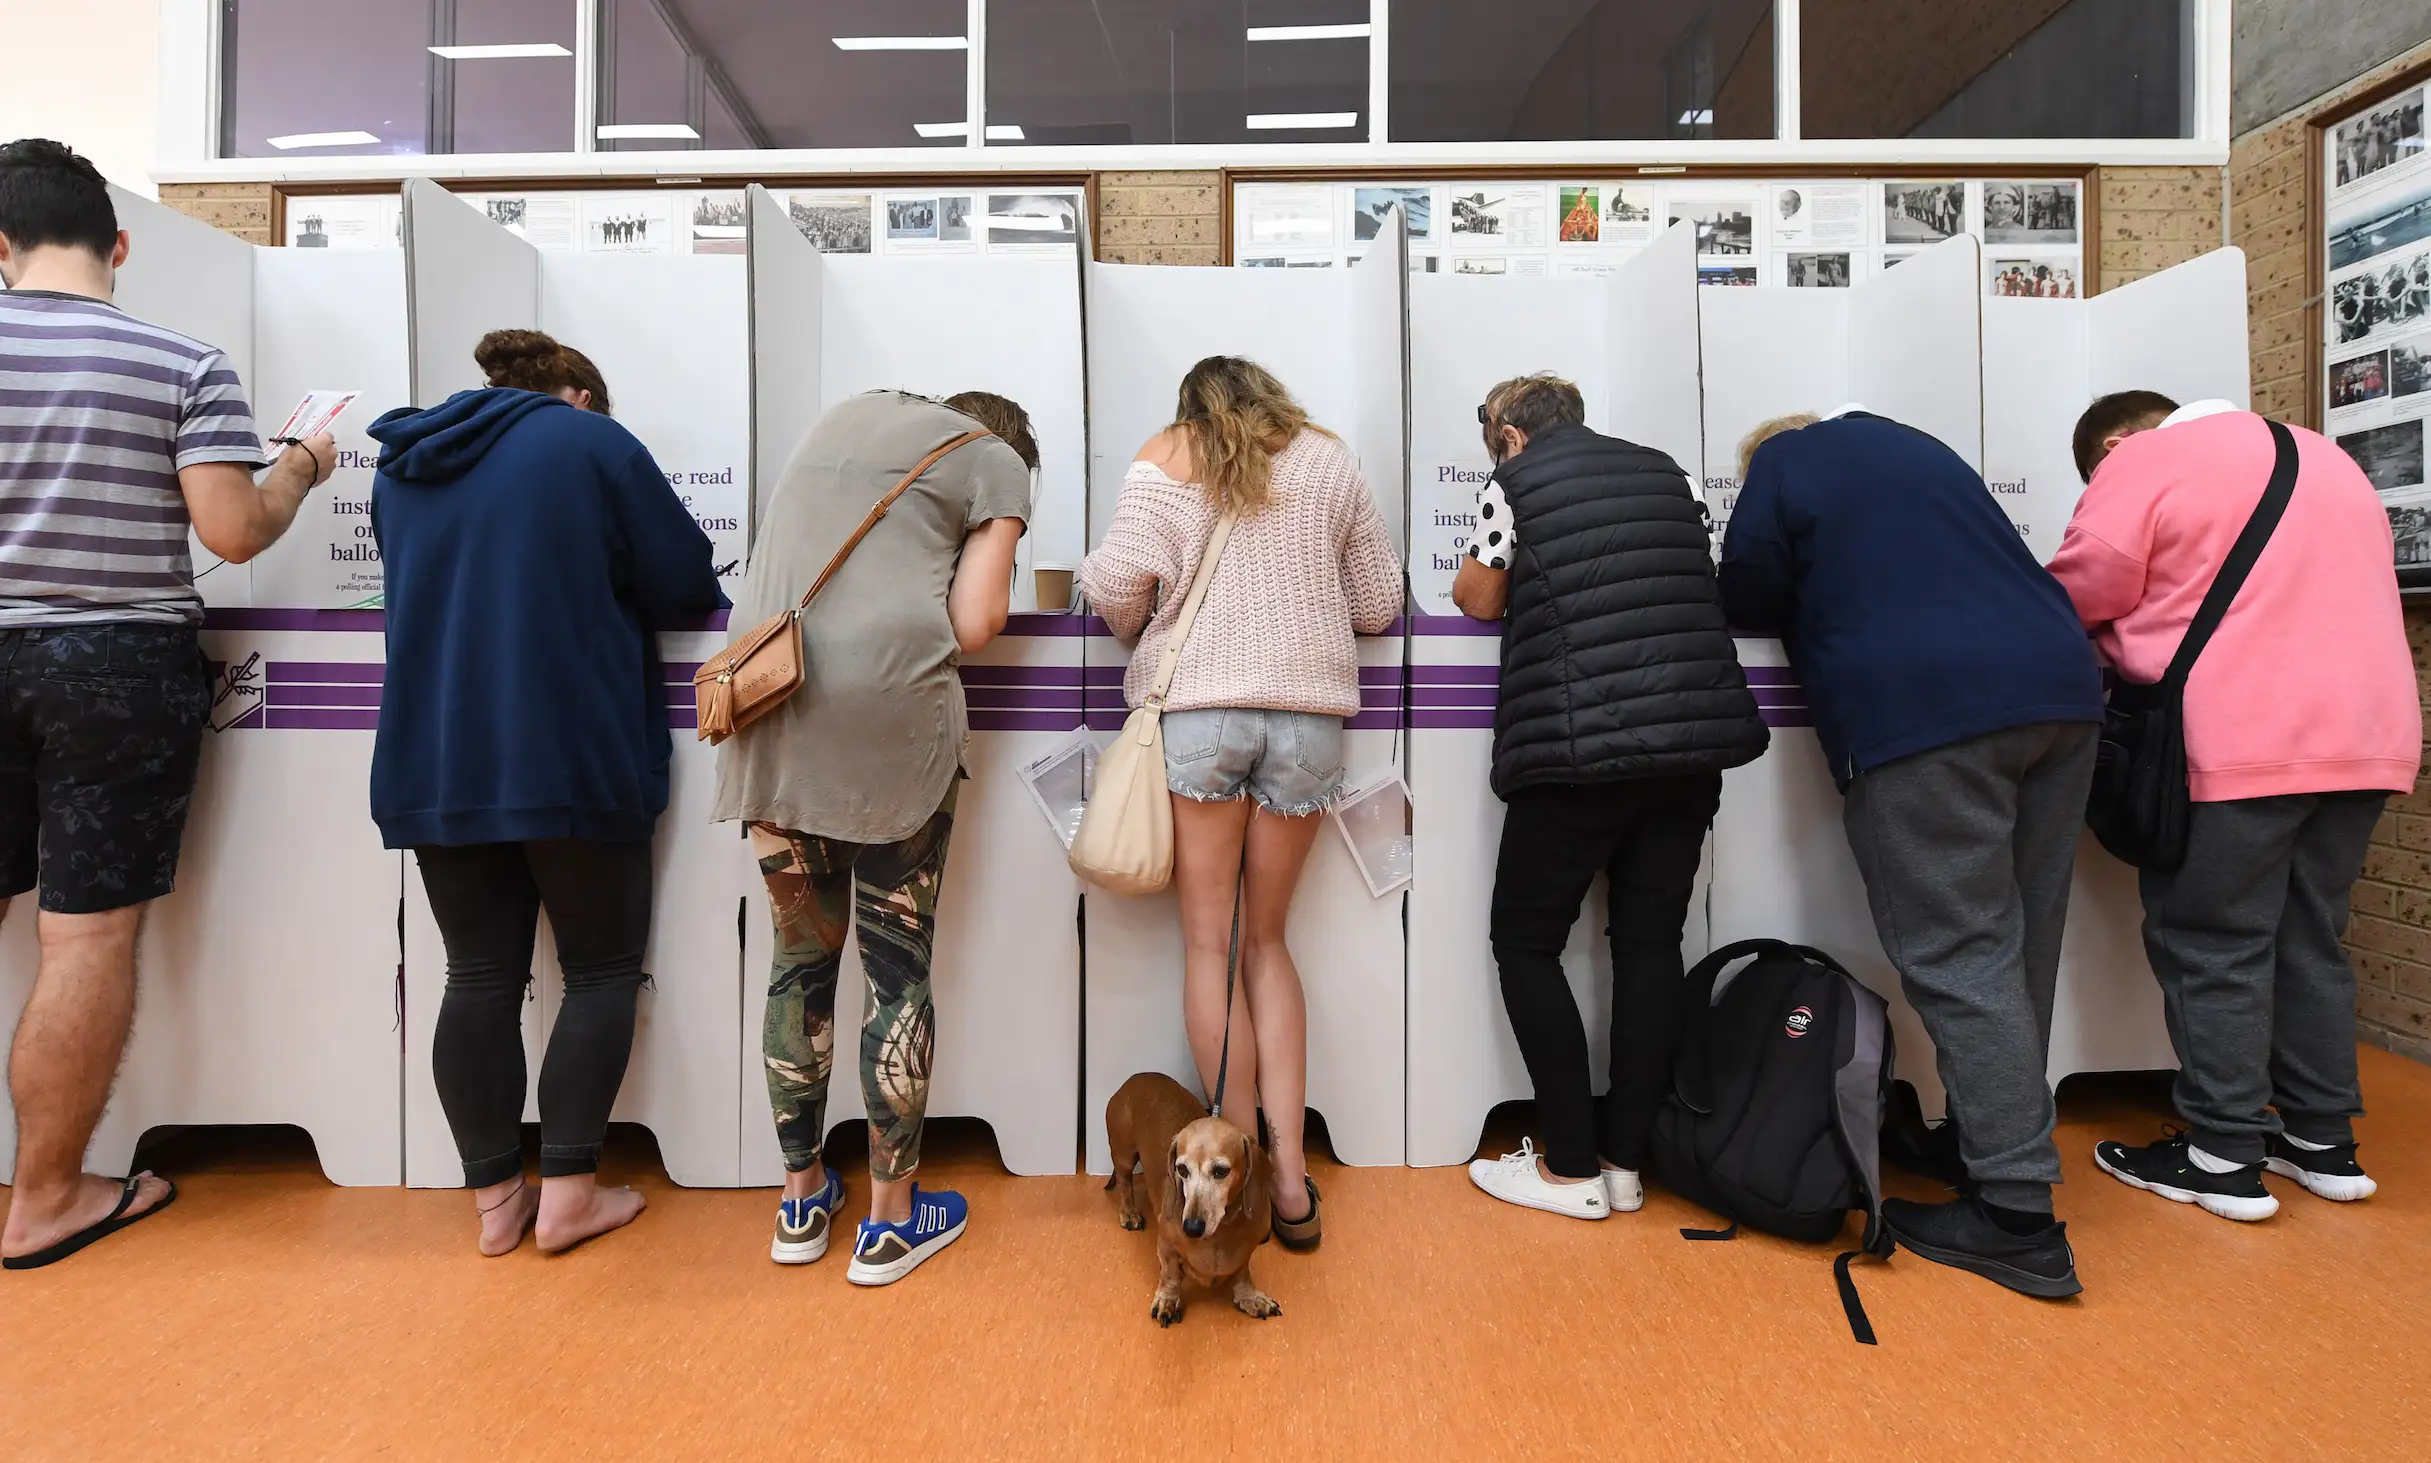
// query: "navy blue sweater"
[[532, 551], [1913, 612]]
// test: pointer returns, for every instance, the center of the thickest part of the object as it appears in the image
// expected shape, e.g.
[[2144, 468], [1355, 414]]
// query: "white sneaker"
[[1623, 1191], [1515, 1179]]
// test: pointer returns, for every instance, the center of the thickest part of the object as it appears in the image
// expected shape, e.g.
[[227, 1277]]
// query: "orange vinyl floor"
[[271, 1315]]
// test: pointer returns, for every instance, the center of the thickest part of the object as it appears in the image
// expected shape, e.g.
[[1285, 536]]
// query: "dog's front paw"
[[1256, 1303], [1133, 1220], [1166, 1308]]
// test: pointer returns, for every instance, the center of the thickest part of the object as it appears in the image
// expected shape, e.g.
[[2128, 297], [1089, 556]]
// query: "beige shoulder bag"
[[753, 676], [1125, 842]]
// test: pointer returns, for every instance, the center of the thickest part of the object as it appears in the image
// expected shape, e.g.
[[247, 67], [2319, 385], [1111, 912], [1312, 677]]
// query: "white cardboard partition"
[[185, 274], [268, 979], [1337, 339], [787, 288], [1629, 341], [1006, 972], [465, 277]]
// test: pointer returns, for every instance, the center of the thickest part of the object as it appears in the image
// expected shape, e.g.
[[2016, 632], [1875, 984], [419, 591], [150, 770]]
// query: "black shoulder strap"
[[2241, 557]]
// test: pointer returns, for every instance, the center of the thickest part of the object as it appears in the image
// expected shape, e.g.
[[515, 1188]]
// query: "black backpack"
[[1774, 1119]]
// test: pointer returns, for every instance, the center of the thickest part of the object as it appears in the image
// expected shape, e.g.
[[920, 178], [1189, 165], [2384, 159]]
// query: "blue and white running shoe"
[[885, 1253], [802, 1224]]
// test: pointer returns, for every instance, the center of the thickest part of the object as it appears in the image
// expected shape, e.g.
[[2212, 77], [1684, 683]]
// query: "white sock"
[[2306, 1146], [2210, 1164]]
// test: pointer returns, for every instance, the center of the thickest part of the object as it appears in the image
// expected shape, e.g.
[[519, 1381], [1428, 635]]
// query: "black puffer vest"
[[1616, 661]]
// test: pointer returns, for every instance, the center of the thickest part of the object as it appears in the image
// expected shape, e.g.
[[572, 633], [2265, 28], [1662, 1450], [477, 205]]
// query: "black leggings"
[[1645, 836], [487, 898]]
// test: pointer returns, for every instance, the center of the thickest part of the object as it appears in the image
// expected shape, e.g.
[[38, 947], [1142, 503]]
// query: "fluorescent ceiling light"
[[903, 43], [997, 131], [323, 139], [500, 53], [1294, 121], [1359, 31], [615, 131]]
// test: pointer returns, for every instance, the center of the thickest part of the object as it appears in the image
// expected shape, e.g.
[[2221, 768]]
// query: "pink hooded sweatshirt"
[[2308, 685]]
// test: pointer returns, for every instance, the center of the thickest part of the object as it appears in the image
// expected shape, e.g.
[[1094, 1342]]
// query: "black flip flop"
[[118, 1219]]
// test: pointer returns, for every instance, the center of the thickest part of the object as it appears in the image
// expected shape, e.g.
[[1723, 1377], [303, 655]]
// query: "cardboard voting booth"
[[1337, 339], [669, 334], [277, 988], [1624, 340], [1783, 865], [2180, 332], [1006, 971], [269, 977]]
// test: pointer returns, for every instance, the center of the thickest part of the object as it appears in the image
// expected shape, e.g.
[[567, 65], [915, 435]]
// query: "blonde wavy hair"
[[1238, 417], [1767, 431]]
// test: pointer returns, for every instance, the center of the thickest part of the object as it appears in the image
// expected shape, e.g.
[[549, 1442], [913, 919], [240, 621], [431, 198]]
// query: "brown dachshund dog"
[[1205, 1185]]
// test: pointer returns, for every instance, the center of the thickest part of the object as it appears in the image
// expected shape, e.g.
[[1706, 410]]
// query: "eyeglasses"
[[1483, 418]]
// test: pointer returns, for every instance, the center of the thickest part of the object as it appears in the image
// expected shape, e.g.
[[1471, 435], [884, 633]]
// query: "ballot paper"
[[313, 415], [1375, 823], [1059, 782]]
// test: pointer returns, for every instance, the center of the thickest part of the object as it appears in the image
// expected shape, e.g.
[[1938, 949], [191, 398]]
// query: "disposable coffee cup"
[[1054, 582]]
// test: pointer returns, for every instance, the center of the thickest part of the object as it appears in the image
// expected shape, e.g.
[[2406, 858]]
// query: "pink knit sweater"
[[1298, 578]]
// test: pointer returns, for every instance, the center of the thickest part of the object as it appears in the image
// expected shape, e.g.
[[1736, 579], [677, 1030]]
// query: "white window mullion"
[[1786, 64], [975, 82], [1379, 71], [586, 75]]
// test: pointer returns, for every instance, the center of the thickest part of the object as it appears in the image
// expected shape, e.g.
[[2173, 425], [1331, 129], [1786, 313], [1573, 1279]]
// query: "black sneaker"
[[2331, 1172], [1960, 1234], [2165, 1168]]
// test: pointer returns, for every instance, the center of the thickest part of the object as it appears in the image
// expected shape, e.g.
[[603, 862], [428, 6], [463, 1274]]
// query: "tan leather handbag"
[[753, 676], [1125, 842]]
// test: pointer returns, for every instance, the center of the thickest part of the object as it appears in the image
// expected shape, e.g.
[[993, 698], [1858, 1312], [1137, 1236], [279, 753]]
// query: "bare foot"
[[576, 1209], [507, 1211], [33, 1225]]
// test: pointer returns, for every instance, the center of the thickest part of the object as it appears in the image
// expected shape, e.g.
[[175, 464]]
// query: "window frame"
[[190, 130]]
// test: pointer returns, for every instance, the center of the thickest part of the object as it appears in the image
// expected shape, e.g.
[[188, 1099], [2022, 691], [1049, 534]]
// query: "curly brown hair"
[[530, 361]]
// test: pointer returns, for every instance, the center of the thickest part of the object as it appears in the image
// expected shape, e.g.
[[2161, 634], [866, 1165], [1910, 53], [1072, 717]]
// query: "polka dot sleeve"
[[1494, 539]]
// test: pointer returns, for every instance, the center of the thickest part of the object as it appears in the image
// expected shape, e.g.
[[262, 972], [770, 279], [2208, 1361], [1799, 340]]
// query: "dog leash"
[[1232, 959]]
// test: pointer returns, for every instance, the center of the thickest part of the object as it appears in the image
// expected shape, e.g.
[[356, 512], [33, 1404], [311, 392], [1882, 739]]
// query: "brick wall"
[[2271, 217], [1160, 218], [243, 209], [2152, 218]]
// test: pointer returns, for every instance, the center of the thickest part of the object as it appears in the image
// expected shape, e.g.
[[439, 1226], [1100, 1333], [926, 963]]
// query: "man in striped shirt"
[[116, 437]]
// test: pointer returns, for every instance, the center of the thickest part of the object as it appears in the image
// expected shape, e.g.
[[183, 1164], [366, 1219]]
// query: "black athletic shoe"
[[2165, 1168], [2331, 1172], [1960, 1234]]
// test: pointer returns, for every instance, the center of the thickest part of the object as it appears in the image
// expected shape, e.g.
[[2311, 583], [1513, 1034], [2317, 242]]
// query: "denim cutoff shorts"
[[1290, 761]]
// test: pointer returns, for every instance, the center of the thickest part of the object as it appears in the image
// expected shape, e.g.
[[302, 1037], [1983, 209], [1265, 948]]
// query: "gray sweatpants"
[[2259, 995], [1966, 852]]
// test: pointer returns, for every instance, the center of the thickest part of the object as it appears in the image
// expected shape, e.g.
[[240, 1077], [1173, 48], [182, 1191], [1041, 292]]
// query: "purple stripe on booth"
[[1059, 676], [1771, 675], [321, 718], [1425, 626], [1455, 675], [353, 621], [1019, 721], [333, 672], [983, 698], [1438, 698], [1482, 719], [281, 693]]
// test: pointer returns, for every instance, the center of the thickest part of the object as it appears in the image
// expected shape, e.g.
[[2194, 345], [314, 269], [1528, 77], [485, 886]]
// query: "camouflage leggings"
[[890, 890]]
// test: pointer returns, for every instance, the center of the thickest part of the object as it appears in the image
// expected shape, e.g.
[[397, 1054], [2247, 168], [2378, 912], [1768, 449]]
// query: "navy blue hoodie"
[[1913, 612], [532, 551]]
